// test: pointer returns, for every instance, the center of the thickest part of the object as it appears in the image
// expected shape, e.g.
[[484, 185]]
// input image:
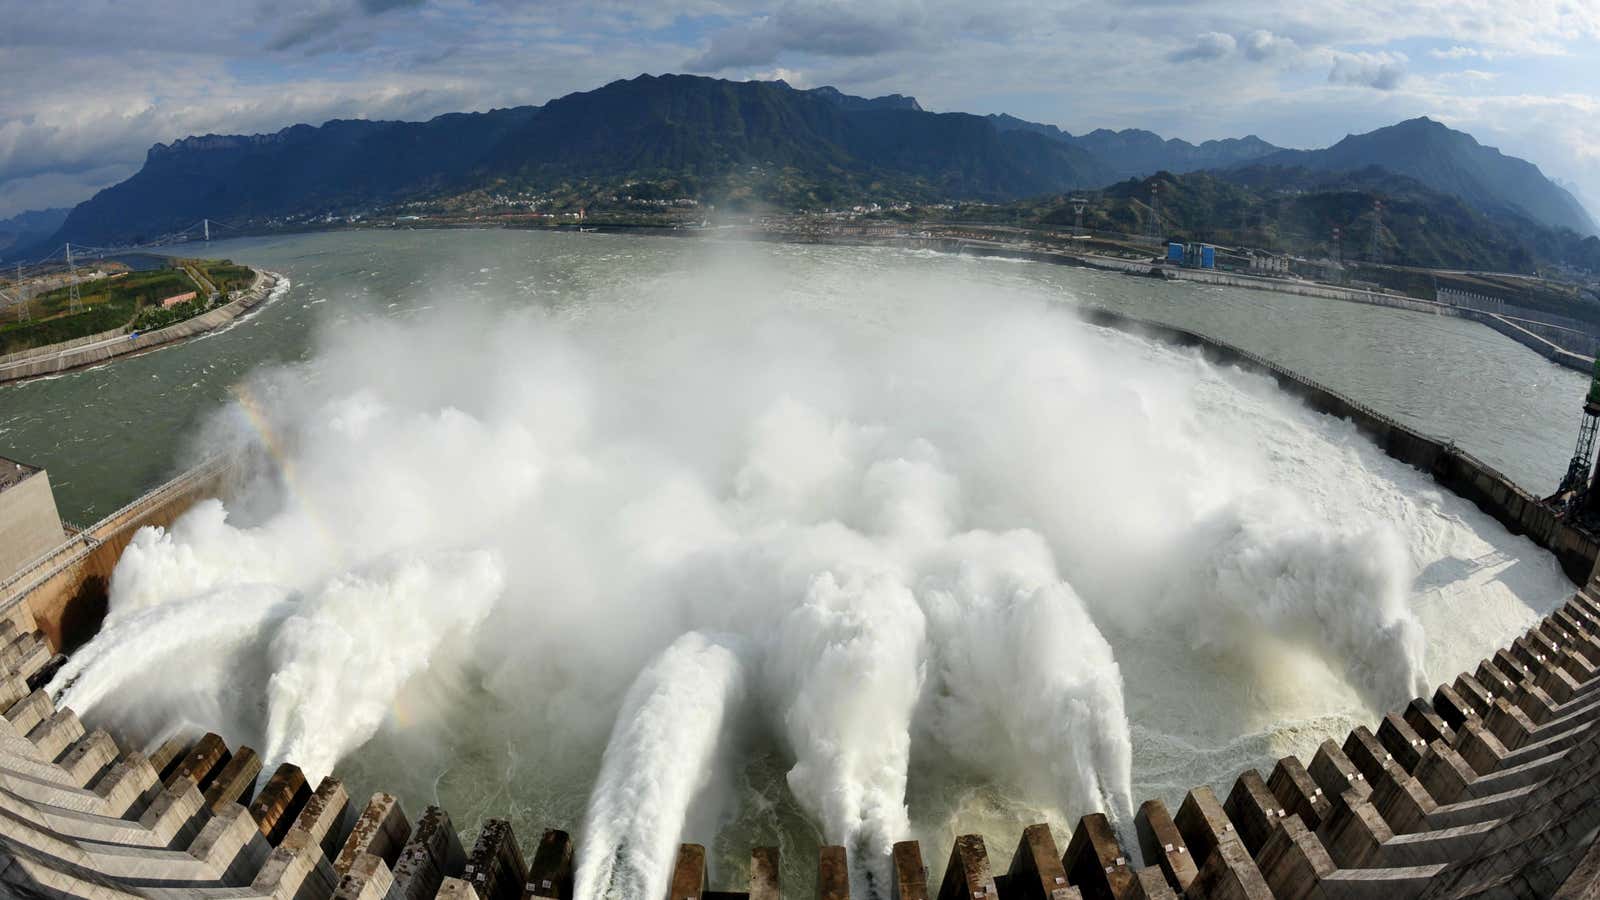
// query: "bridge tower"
[[207, 223], [74, 302]]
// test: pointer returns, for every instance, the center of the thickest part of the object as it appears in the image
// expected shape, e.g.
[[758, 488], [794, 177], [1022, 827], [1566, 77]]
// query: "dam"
[[1511, 820]]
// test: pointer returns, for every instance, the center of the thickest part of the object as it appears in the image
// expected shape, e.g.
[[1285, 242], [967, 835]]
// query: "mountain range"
[[1453, 162], [1295, 210], [29, 228], [755, 144], [1133, 152], [820, 147]]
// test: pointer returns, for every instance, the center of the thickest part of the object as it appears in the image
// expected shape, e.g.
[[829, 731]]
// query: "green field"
[[130, 298]]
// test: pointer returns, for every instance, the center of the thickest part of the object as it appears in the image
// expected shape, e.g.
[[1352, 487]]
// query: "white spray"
[[675, 711], [870, 517]]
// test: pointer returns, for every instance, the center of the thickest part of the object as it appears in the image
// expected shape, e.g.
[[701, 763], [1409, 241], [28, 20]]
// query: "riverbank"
[[965, 246], [1501, 324], [99, 348]]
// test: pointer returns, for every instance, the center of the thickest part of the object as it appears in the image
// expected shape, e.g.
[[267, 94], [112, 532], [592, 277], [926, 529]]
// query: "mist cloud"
[[833, 516]]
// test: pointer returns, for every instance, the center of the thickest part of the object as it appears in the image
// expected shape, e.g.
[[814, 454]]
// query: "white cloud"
[[1462, 52], [1211, 45], [1383, 71], [792, 77], [1284, 71], [1262, 44]]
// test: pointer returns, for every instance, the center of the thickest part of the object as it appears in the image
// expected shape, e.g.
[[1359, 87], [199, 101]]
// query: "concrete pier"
[[1095, 861], [967, 874], [688, 880], [765, 874], [1037, 871], [280, 801], [550, 871], [1297, 792], [910, 878], [495, 869], [433, 853], [833, 874], [1163, 846]]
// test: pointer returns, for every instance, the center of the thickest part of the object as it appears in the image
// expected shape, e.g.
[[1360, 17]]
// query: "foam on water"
[[950, 556]]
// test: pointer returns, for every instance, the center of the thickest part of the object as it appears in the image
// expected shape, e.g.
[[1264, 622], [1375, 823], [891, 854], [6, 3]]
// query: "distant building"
[[1267, 262], [29, 524], [175, 299]]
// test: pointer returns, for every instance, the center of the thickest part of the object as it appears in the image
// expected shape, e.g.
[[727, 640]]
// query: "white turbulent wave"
[[338, 650], [873, 519], [674, 711]]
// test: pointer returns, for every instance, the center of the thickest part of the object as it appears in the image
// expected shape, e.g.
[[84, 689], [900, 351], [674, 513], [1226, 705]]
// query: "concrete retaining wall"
[[1454, 468], [29, 523], [1523, 333], [64, 591], [1537, 343], [75, 355], [52, 349]]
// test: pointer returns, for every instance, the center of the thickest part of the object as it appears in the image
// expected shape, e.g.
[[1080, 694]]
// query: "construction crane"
[[1576, 496]]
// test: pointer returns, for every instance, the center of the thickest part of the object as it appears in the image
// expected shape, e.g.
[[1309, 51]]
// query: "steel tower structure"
[[1577, 494], [74, 302]]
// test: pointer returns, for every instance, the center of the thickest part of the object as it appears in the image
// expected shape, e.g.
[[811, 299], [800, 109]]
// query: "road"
[[34, 358]]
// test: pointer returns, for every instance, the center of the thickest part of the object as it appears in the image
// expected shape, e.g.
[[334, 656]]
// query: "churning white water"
[[751, 556]]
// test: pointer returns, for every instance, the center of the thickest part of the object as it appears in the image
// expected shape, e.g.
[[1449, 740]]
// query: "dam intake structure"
[[1483, 788]]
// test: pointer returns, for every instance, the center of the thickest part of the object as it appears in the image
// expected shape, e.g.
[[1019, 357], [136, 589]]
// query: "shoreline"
[[964, 246], [97, 349]]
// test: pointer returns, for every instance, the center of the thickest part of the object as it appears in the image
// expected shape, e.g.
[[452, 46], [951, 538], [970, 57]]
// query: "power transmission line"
[[1155, 210], [74, 302], [1377, 227], [23, 314]]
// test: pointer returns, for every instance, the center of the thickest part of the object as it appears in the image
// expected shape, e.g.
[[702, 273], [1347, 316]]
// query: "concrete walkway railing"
[[14, 589]]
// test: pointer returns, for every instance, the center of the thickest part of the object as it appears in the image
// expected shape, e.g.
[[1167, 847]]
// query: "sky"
[[86, 88]]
